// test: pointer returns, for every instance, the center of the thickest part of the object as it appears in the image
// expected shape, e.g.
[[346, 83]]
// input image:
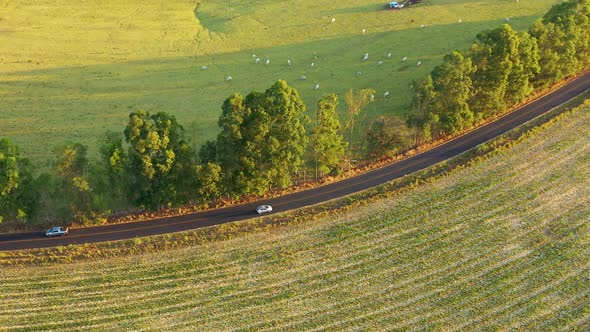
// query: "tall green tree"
[[208, 152], [556, 53], [262, 140], [239, 146], [421, 118], [183, 170], [573, 19], [452, 85], [110, 172], [19, 197], [327, 143], [158, 156], [387, 136], [28, 195], [493, 55], [75, 194], [525, 66], [287, 140], [9, 174], [356, 101], [582, 19], [563, 40], [208, 181]]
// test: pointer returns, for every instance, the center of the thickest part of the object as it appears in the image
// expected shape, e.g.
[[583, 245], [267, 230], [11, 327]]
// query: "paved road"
[[308, 197]]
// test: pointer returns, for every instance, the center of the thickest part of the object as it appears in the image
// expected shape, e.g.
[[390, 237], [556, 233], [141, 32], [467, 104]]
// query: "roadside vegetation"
[[500, 244], [267, 141]]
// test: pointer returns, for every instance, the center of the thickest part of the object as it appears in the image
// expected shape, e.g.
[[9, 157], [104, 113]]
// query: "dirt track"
[[308, 197]]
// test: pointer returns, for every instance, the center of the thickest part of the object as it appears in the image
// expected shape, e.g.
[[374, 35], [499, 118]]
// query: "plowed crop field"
[[503, 244]]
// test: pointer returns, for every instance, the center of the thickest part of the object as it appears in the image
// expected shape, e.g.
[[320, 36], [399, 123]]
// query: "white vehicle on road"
[[56, 231], [263, 209]]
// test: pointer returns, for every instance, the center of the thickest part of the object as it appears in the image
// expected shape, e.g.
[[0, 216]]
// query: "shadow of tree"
[[80, 103]]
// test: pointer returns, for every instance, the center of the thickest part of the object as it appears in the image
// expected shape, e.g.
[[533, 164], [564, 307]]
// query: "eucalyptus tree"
[[236, 149], [19, 194], [525, 67], [208, 182], [493, 55], [159, 159], [556, 54], [9, 172], [74, 198], [356, 102], [563, 39], [452, 85], [573, 19], [262, 140], [110, 172], [327, 143], [425, 123], [287, 139]]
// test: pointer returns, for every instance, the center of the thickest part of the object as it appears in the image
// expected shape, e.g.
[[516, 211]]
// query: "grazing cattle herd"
[[364, 58]]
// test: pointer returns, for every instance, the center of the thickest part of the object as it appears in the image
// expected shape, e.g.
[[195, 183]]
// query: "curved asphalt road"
[[308, 197]]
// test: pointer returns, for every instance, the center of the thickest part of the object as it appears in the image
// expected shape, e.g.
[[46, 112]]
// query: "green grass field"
[[501, 245], [72, 71]]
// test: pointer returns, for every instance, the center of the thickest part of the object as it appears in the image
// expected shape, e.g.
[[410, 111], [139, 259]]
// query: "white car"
[[56, 231], [263, 209]]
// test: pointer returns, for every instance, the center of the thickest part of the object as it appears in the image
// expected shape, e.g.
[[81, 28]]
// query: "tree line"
[[501, 69], [266, 139]]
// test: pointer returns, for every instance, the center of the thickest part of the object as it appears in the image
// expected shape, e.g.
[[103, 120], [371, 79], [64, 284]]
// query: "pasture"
[[69, 72], [500, 245]]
